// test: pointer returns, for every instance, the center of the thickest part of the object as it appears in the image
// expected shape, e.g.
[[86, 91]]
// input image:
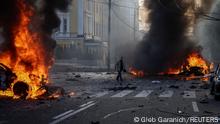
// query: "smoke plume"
[[166, 45], [208, 33]]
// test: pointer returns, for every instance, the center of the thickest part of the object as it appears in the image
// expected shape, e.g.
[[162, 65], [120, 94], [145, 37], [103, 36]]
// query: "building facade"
[[83, 33], [125, 29]]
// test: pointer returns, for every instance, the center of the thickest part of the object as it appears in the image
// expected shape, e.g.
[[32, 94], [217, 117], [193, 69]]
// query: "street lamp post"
[[109, 36]]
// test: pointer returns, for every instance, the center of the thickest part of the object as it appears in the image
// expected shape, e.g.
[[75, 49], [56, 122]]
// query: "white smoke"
[[208, 33]]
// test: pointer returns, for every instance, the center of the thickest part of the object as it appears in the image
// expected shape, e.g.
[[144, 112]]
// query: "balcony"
[[66, 36], [92, 37]]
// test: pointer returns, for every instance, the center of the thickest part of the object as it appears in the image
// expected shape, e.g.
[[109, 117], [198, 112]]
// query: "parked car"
[[215, 83]]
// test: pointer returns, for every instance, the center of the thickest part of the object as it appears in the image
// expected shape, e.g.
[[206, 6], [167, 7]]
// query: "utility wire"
[[119, 5], [205, 16], [118, 17], [124, 22]]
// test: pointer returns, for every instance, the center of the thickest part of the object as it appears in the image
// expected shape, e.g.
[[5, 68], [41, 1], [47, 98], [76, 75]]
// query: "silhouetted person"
[[119, 67]]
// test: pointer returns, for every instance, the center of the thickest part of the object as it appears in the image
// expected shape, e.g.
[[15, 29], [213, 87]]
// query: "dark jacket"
[[119, 66]]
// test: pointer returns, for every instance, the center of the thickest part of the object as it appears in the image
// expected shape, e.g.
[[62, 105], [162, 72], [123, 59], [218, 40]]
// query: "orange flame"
[[27, 62], [193, 60], [135, 72]]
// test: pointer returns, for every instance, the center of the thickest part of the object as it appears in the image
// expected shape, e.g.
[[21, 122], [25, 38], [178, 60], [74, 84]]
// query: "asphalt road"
[[96, 98]]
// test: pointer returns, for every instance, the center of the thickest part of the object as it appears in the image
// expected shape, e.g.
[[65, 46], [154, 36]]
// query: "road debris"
[[78, 76], [204, 101], [192, 87], [122, 88], [174, 87], [95, 122], [156, 82], [208, 112], [140, 106]]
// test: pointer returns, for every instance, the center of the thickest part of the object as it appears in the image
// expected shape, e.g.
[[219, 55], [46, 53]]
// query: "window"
[[64, 25], [90, 25]]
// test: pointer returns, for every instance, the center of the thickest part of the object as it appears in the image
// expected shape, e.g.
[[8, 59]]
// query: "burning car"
[[27, 48], [11, 85]]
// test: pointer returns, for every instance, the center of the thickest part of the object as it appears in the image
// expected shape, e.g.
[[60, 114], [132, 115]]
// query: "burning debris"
[[26, 52], [169, 46]]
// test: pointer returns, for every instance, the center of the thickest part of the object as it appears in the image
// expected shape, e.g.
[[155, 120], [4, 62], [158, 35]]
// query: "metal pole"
[[109, 36], [134, 23]]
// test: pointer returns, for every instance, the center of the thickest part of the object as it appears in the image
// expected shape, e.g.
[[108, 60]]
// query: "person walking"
[[119, 67]]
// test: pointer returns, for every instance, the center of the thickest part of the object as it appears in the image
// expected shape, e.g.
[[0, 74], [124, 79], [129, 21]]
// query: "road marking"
[[166, 94], [63, 114], [144, 93], [195, 107], [189, 94], [71, 114], [123, 93], [119, 111], [83, 105], [100, 94]]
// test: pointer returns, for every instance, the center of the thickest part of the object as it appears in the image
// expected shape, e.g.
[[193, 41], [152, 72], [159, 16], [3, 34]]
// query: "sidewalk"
[[70, 67]]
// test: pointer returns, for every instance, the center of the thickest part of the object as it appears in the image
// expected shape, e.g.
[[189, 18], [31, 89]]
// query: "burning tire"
[[21, 89]]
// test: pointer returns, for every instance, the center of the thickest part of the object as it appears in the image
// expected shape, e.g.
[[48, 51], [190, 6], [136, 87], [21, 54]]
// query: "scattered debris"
[[52, 92], [71, 94], [140, 106], [108, 73], [179, 112], [192, 87], [156, 82], [122, 88], [174, 87], [133, 111], [96, 122], [204, 86], [204, 101], [208, 112], [78, 76]]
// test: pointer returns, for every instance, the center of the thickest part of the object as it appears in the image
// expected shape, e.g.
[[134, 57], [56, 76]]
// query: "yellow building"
[[83, 32]]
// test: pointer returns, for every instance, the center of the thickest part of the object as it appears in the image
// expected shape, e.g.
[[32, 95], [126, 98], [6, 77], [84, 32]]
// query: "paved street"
[[96, 98], [60, 61]]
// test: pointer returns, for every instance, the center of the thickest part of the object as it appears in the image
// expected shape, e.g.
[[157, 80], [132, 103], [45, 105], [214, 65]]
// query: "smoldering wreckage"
[[168, 48]]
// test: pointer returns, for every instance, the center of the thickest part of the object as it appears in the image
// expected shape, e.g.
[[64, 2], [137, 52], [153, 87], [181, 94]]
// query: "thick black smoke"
[[166, 44], [51, 22], [44, 22]]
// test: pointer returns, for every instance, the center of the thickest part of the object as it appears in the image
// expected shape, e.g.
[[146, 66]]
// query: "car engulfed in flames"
[[23, 69], [194, 65]]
